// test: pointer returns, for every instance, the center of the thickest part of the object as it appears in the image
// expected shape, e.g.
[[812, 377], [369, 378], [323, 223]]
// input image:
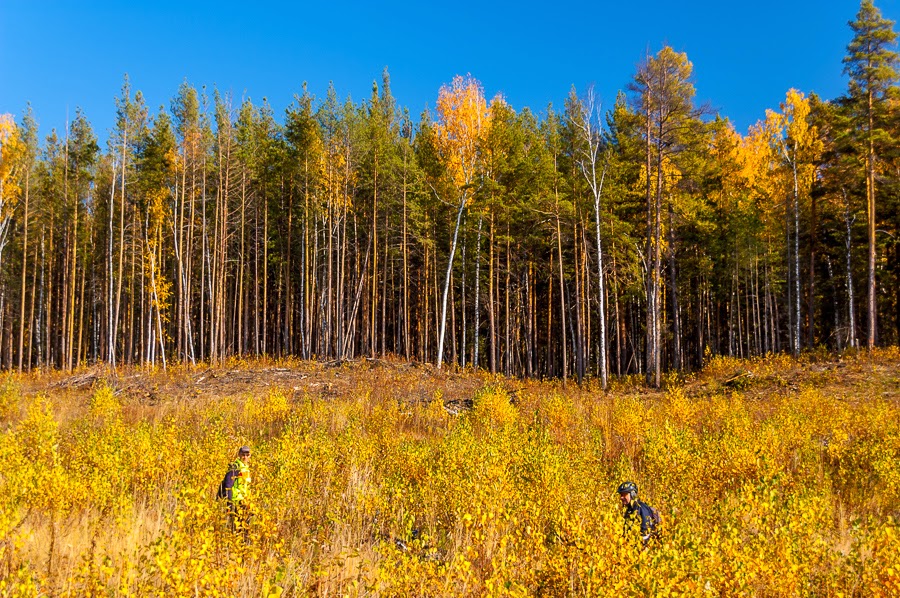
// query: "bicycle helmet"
[[628, 488]]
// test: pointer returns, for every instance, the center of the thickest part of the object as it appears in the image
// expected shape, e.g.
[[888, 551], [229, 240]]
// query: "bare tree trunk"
[[330, 310], [562, 294], [529, 321], [673, 284], [811, 289], [265, 285], [870, 215], [162, 347], [651, 273], [507, 363], [577, 333], [79, 357], [32, 327], [24, 271], [589, 170], [239, 299], [69, 318], [796, 264], [47, 300], [492, 313], [548, 366], [373, 308], [115, 321], [620, 322], [205, 267], [476, 320], [654, 364], [406, 345], [459, 213], [851, 301], [308, 274], [454, 354], [462, 352], [384, 280]]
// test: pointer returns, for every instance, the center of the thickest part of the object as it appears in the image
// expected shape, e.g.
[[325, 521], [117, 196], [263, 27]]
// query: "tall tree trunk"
[[464, 339], [870, 215], [32, 325], [265, 284], [492, 304], [811, 289], [620, 322], [121, 267], [459, 213], [601, 289], [24, 272], [406, 339], [578, 332], [796, 264], [507, 363], [476, 319], [373, 308], [651, 272], [673, 292], [654, 365], [851, 301], [562, 295], [529, 321], [384, 281]]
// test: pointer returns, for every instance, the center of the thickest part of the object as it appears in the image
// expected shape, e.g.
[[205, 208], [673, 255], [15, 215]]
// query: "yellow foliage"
[[11, 148], [462, 120], [267, 409], [492, 408], [793, 493], [9, 401], [104, 404]]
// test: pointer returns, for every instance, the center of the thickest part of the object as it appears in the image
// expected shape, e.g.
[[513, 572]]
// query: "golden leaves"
[[462, 119], [374, 494], [11, 149]]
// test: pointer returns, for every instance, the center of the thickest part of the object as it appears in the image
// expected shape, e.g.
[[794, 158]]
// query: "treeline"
[[575, 243]]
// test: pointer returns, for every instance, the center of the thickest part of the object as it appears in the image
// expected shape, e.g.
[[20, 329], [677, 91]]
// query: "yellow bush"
[[104, 404], [791, 493], [492, 408], [9, 402]]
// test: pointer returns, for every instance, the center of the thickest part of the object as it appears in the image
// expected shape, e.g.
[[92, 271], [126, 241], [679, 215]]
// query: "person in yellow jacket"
[[235, 488]]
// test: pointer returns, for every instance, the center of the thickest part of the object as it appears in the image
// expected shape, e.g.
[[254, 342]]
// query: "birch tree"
[[585, 117], [12, 150], [799, 146], [462, 116]]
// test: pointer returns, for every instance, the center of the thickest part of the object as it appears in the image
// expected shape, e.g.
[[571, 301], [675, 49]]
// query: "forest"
[[639, 238]]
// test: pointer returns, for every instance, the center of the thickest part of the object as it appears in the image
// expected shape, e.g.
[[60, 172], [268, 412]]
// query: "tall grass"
[[788, 486]]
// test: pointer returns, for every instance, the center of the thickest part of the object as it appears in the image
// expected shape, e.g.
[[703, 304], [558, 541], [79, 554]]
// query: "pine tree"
[[871, 64], [664, 97]]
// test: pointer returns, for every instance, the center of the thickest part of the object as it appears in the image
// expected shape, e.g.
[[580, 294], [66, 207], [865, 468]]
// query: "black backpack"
[[655, 518], [222, 492]]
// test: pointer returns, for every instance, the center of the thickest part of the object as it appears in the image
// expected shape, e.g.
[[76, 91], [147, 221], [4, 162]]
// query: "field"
[[774, 477]]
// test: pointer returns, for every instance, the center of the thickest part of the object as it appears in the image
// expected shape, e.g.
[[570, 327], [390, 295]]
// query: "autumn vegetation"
[[449, 337], [775, 477]]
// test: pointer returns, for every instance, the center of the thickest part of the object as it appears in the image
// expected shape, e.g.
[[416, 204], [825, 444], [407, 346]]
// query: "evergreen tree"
[[871, 64]]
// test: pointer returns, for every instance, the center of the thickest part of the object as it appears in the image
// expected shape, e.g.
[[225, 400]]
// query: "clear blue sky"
[[746, 55]]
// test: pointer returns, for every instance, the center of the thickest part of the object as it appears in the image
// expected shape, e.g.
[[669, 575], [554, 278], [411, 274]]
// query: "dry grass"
[[775, 477]]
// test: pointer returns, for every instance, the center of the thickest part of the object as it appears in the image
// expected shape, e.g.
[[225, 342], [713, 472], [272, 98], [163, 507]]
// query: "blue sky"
[[746, 55]]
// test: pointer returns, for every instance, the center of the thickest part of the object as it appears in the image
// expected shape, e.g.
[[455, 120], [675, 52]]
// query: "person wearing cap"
[[635, 509], [236, 488]]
